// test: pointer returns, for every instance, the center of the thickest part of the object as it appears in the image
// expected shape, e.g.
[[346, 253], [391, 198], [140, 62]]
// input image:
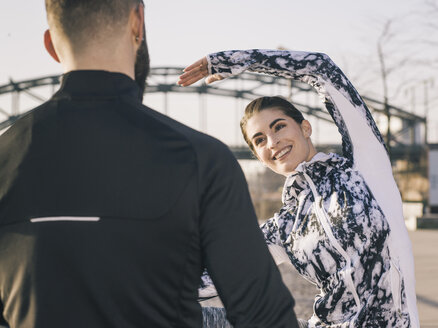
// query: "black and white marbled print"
[[214, 317], [358, 225], [331, 226]]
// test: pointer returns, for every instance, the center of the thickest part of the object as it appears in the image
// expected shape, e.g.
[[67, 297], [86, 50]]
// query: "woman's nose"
[[272, 142]]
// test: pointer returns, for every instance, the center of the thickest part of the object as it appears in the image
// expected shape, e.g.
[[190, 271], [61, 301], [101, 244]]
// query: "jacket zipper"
[[396, 286], [322, 216]]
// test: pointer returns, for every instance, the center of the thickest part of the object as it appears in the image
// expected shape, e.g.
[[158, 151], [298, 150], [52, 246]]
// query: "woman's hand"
[[197, 71]]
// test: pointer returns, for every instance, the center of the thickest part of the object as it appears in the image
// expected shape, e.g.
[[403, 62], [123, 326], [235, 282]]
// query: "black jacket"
[[109, 211]]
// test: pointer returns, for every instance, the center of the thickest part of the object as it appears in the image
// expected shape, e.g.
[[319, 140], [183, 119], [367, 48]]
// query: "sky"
[[180, 32]]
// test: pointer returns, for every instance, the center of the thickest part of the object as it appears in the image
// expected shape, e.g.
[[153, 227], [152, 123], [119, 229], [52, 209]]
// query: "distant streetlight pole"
[[427, 84]]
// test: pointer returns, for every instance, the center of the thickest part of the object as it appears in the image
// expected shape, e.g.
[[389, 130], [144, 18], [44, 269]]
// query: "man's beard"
[[142, 65]]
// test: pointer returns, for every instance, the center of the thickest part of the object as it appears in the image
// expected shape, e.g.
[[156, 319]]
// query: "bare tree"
[[393, 59], [431, 24]]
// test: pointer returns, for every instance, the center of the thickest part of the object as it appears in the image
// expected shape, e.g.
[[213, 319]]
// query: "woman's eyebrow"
[[270, 126], [256, 135], [275, 121]]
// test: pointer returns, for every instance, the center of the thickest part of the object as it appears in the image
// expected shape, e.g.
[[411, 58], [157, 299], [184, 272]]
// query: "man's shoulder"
[[152, 122], [200, 141], [23, 124]]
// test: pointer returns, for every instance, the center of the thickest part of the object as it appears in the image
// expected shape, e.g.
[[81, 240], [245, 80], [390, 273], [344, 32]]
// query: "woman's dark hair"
[[262, 103]]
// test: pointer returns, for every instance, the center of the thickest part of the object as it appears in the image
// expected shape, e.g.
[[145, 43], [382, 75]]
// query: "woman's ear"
[[49, 46], [306, 128]]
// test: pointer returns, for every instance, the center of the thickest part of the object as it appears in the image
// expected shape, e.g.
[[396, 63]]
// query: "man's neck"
[[104, 66], [111, 59]]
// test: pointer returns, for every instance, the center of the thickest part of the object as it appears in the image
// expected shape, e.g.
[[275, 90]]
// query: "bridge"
[[408, 131]]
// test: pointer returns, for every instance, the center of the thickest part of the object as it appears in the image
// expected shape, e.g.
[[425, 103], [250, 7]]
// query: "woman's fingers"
[[197, 71], [198, 63], [190, 80], [194, 73], [191, 77]]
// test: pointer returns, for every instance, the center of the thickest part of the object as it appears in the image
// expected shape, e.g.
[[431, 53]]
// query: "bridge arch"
[[407, 136]]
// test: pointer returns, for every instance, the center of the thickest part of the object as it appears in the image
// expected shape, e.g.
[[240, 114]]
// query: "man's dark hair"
[[78, 19]]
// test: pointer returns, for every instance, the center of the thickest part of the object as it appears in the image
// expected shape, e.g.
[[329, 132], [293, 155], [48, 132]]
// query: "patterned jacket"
[[341, 223]]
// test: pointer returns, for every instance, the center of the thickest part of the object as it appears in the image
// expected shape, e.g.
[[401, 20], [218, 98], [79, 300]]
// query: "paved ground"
[[425, 245]]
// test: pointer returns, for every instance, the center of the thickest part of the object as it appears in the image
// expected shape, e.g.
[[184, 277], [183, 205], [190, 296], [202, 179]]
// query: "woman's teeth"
[[283, 152]]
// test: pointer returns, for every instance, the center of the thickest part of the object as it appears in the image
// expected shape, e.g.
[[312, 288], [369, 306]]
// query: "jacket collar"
[[87, 84], [318, 167]]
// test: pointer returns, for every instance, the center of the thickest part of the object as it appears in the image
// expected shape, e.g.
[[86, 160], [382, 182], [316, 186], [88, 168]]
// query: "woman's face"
[[278, 141]]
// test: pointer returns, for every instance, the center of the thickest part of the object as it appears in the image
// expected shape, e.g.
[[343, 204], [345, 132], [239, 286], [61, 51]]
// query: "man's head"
[[98, 31]]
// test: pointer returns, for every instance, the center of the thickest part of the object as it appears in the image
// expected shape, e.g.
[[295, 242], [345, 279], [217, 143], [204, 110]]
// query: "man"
[[109, 210]]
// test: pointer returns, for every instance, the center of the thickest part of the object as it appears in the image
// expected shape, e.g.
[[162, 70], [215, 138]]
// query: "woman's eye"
[[279, 126], [258, 141]]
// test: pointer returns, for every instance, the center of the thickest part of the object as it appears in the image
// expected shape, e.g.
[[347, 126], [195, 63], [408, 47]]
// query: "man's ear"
[[306, 128], [138, 23], [49, 45]]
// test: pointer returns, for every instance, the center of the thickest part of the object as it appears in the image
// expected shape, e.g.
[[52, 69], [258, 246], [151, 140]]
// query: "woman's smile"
[[282, 154]]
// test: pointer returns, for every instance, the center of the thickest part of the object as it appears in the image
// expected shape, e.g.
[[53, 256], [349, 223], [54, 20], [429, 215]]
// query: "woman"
[[341, 223]]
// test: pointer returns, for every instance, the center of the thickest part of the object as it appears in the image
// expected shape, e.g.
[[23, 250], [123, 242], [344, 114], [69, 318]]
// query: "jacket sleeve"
[[275, 246], [270, 231], [362, 142], [234, 251]]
